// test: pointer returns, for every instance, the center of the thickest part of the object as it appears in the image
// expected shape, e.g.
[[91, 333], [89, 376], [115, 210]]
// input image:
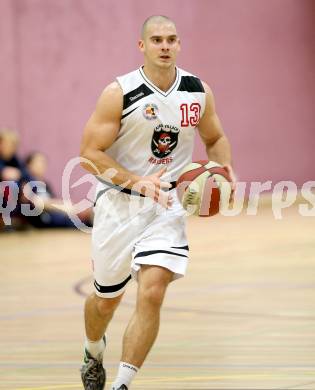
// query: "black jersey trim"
[[113, 288], [135, 95], [156, 88], [124, 116], [190, 84], [148, 253], [185, 247], [124, 189], [100, 193], [118, 188]]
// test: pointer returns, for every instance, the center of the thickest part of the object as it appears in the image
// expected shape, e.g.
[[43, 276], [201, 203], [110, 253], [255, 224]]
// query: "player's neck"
[[162, 78]]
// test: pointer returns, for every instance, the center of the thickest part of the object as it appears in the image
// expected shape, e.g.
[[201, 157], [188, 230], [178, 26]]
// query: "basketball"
[[202, 188]]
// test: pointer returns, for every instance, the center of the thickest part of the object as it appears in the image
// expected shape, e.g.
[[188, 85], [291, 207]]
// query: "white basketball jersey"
[[157, 127]]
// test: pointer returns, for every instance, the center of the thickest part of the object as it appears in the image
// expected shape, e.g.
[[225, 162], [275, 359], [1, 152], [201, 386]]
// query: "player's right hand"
[[231, 173], [153, 187]]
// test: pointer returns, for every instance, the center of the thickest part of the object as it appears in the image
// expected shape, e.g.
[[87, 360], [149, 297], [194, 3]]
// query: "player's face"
[[160, 45]]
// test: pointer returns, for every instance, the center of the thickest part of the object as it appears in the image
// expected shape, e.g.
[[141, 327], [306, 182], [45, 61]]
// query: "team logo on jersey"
[[164, 140], [150, 111]]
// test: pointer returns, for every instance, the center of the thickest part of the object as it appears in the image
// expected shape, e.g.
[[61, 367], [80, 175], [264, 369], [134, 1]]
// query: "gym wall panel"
[[257, 56]]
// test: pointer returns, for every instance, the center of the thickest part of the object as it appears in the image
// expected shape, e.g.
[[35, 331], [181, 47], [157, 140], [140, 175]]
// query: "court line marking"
[[165, 379], [40, 312], [79, 289], [172, 366], [297, 386], [75, 386]]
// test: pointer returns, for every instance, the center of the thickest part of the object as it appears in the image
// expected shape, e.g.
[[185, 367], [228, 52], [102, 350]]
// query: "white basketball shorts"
[[129, 231]]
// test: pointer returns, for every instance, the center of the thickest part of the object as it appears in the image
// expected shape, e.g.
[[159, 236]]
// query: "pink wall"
[[259, 58], [9, 80]]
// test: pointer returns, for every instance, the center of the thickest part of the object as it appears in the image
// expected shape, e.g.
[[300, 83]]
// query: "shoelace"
[[94, 372]]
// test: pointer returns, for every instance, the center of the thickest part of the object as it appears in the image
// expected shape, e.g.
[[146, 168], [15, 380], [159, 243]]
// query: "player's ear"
[[141, 45], [179, 44]]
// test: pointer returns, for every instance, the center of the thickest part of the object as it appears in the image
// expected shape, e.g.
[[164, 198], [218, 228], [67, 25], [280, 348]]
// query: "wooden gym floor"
[[243, 317]]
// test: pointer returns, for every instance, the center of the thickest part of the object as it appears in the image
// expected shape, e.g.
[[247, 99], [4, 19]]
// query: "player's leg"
[[144, 324], [98, 312], [111, 254], [160, 256]]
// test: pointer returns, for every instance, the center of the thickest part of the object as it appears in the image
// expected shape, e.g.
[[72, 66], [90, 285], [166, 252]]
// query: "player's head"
[[159, 41], [8, 143]]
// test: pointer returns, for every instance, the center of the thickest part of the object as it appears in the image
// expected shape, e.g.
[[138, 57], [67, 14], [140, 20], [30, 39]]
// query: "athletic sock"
[[95, 348], [126, 372]]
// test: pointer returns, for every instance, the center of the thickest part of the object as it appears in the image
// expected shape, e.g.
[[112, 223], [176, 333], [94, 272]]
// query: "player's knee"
[[107, 306], [153, 295]]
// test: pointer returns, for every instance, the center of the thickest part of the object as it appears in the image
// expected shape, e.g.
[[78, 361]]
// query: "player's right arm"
[[100, 133]]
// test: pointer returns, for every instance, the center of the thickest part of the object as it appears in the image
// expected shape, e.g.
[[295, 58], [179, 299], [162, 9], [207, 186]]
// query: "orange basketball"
[[202, 187]]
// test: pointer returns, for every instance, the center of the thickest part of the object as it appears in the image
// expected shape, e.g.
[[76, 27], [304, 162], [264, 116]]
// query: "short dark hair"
[[157, 18]]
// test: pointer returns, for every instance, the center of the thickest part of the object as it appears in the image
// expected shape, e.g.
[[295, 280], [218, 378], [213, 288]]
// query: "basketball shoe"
[[93, 374], [122, 387]]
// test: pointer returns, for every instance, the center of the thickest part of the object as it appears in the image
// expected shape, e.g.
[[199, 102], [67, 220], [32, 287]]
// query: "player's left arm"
[[211, 132]]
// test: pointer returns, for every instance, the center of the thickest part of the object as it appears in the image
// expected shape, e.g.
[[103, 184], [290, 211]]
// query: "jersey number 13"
[[190, 115]]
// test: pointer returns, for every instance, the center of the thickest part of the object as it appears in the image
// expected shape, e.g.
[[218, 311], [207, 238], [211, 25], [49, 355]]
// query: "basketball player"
[[137, 142]]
